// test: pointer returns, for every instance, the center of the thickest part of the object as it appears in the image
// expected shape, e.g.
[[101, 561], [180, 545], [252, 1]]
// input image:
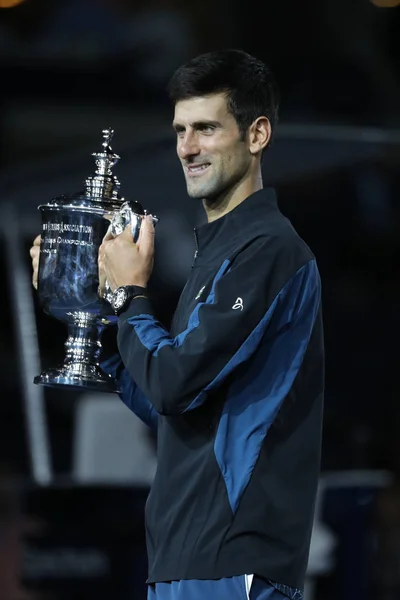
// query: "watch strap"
[[132, 291]]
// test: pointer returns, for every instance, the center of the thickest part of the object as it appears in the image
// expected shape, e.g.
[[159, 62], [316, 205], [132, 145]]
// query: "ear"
[[259, 135]]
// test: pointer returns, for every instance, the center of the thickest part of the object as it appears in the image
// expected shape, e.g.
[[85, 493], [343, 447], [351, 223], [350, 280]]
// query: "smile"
[[194, 170]]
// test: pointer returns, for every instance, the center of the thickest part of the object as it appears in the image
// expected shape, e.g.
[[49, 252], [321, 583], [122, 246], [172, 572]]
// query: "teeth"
[[201, 168]]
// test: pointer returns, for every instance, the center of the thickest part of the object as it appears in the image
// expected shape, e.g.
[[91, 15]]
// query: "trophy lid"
[[103, 185], [101, 192]]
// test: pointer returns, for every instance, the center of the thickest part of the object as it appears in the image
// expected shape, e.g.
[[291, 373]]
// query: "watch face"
[[119, 298]]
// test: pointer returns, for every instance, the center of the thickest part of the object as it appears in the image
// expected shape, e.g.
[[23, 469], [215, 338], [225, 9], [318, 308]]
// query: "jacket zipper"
[[187, 281], [197, 247]]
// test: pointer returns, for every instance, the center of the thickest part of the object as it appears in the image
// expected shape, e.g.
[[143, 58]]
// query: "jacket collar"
[[244, 214]]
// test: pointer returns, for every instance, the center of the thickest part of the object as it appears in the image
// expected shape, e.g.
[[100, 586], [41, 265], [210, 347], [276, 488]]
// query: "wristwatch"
[[122, 295]]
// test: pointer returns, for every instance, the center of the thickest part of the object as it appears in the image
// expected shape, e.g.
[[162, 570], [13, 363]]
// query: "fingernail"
[[149, 218]]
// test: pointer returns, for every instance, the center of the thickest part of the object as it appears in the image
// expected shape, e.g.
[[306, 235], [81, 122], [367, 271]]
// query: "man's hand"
[[122, 262], [35, 252]]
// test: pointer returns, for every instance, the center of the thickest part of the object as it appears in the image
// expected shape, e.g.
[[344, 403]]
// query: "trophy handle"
[[120, 220]]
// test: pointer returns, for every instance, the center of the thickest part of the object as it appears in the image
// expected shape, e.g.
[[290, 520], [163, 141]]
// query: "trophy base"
[[78, 376]]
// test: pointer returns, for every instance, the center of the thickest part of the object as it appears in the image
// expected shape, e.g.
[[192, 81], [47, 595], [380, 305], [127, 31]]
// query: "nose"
[[188, 145]]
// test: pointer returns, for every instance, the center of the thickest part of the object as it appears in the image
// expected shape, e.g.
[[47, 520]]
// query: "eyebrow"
[[197, 124]]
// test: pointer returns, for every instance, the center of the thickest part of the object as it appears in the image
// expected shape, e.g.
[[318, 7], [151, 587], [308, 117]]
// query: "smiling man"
[[215, 154], [235, 388]]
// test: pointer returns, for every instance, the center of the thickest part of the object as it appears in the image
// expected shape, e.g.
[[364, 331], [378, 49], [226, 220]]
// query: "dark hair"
[[249, 85]]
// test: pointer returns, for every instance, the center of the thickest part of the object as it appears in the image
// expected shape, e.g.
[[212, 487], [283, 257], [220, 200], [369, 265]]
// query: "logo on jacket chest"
[[238, 304]]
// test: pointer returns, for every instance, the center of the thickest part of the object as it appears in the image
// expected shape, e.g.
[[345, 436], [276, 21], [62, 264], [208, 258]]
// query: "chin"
[[203, 192], [195, 193]]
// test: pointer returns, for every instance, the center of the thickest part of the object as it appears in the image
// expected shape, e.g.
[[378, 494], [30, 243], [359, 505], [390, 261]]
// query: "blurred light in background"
[[9, 3], [386, 3]]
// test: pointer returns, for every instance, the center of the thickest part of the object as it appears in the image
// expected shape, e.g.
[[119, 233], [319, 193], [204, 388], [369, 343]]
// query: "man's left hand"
[[127, 263]]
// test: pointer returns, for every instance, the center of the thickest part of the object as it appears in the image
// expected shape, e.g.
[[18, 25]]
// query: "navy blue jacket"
[[235, 390]]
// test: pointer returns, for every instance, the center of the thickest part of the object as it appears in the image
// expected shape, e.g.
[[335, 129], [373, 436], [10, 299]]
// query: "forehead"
[[213, 107]]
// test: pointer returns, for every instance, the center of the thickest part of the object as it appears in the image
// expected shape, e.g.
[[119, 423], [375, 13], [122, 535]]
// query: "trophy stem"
[[81, 368], [83, 344]]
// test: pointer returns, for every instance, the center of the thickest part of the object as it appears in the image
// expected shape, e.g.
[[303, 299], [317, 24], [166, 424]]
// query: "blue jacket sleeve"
[[129, 393], [261, 293]]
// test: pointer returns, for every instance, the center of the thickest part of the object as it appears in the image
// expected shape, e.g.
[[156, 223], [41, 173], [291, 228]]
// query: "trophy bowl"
[[73, 228]]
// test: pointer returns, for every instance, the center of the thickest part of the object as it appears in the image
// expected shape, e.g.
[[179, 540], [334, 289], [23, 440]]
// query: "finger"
[[35, 278], [34, 251], [36, 241], [127, 234], [146, 235], [35, 268]]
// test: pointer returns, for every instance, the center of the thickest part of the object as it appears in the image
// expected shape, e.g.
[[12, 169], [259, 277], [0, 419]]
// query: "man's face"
[[213, 156]]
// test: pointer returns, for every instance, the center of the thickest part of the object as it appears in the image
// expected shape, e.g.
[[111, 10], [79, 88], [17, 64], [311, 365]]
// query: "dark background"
[[70, 68]]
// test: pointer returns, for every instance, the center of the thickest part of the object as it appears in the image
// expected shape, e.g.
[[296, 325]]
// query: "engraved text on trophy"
[[68, 271]]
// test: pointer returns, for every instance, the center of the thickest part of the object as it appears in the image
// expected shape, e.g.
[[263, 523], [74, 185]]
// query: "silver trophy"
[[73, 228]]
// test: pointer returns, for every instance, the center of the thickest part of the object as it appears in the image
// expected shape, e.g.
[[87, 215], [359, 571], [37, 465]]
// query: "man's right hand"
[[34, 252]]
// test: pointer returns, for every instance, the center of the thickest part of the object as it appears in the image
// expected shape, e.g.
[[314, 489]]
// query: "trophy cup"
[[73, 227]]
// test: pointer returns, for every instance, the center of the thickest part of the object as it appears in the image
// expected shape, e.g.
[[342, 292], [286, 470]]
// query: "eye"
[[206, 128], [180, 132]]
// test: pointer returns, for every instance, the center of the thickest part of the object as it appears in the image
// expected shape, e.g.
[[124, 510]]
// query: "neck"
[[218, 207]]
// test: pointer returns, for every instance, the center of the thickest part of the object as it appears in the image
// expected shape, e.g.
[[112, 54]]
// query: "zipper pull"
[[194, 257]]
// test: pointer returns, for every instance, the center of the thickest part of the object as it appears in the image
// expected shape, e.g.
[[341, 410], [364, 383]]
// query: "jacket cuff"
[[137, 306]]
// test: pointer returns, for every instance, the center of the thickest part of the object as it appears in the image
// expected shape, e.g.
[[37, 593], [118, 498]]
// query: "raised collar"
[[252, 208]]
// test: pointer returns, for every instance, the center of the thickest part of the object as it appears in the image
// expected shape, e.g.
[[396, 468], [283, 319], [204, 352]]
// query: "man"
[[235, 388]]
